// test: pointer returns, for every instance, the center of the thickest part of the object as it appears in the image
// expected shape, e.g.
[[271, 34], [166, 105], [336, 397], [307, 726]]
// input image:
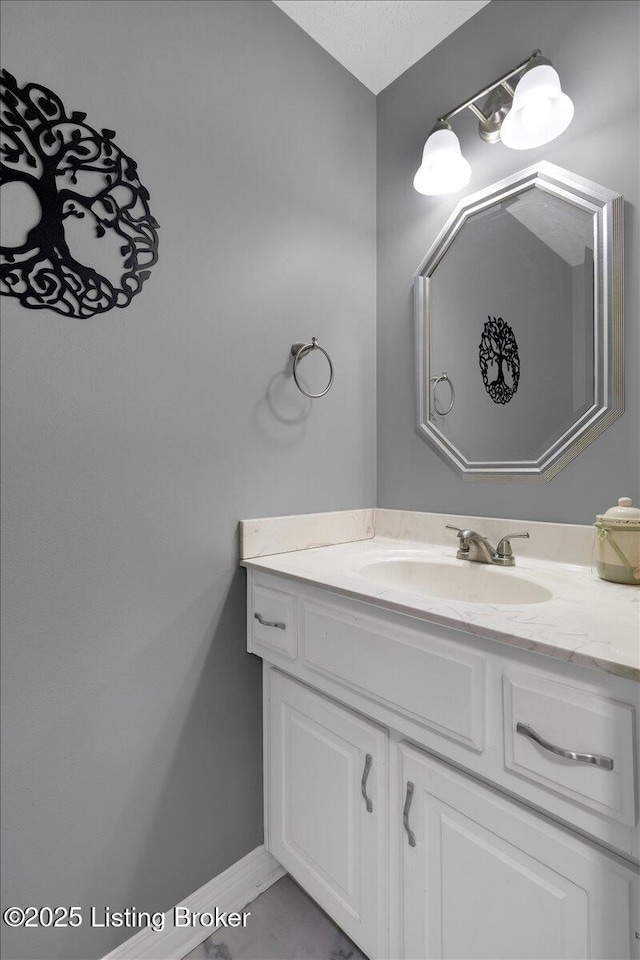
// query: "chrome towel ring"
[[301, 350], [442, 378]]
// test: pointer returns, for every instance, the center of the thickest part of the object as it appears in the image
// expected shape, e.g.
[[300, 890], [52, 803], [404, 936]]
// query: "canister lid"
[[622, 515]]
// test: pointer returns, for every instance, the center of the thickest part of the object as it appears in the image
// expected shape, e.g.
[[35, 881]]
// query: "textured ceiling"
[[377, 40]]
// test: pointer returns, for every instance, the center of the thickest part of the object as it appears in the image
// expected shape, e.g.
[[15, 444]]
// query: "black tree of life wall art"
[[91, 239], [499, 360]]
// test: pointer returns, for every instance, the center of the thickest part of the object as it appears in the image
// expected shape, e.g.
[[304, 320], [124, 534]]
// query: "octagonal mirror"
[[519, 326]]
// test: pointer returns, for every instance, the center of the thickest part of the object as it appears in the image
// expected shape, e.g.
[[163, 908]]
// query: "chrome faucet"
[[475, 547]]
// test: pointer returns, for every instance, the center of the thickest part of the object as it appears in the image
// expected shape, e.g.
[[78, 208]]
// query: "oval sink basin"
[[458, 580]]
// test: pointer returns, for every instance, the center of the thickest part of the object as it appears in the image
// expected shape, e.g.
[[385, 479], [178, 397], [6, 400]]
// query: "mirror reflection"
[[512, 302]]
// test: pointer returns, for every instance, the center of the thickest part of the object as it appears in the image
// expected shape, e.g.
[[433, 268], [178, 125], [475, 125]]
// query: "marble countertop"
[[587, 621]]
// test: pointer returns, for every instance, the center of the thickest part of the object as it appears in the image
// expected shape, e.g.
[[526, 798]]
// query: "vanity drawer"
[[568, 718], [272, 616], [437, 683]]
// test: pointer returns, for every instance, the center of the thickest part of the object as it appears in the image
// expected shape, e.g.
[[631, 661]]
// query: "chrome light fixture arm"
[[504, 116], [502, 81]]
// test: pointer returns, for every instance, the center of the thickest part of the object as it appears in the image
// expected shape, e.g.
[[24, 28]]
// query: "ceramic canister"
[[618, 543]]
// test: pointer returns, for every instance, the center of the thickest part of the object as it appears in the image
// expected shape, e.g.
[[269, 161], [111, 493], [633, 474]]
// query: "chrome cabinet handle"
[[270, 623], [594, 758], [405, 814], [363, 783]]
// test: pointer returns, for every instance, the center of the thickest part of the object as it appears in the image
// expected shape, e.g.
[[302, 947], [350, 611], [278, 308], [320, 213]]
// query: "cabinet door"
[[488, 878], [328, 807]]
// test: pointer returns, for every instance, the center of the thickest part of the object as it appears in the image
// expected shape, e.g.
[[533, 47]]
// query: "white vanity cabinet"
[[328, 818], [505, 847], [482, 876]]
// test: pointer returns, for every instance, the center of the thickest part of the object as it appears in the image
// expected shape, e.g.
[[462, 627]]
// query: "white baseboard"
[[229, 891]]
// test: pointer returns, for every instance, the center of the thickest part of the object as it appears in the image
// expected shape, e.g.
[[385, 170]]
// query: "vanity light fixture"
[[443, 168], [540, 111], [536, 112]]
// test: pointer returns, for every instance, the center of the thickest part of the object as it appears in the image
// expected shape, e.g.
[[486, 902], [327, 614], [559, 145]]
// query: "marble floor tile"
[[285, 924], [200, 953]]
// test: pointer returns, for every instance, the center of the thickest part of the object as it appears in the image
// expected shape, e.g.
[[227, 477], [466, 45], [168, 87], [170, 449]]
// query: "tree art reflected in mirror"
[[77, 233], [518, 311], [499, 360]]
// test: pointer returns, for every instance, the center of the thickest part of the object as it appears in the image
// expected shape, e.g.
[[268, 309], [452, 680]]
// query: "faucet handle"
[[503, 550], [463, 551], [462, 535]]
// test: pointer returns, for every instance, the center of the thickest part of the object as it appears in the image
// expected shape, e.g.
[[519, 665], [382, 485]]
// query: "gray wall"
[[594, 46], [133, 443]]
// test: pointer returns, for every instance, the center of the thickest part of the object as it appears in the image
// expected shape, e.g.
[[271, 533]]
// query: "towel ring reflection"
[[442, 378], [299, 351]]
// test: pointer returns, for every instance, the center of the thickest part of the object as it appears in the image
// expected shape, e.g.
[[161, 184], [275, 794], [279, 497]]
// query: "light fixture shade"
[[443, 168], [540, 110]]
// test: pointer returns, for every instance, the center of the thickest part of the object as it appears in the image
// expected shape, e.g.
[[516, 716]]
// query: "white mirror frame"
[[607, 210]]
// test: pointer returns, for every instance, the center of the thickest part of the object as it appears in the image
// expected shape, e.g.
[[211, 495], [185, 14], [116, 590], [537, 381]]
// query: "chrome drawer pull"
[[363, 783], [405, 814], [270, 623], [594, 758]]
